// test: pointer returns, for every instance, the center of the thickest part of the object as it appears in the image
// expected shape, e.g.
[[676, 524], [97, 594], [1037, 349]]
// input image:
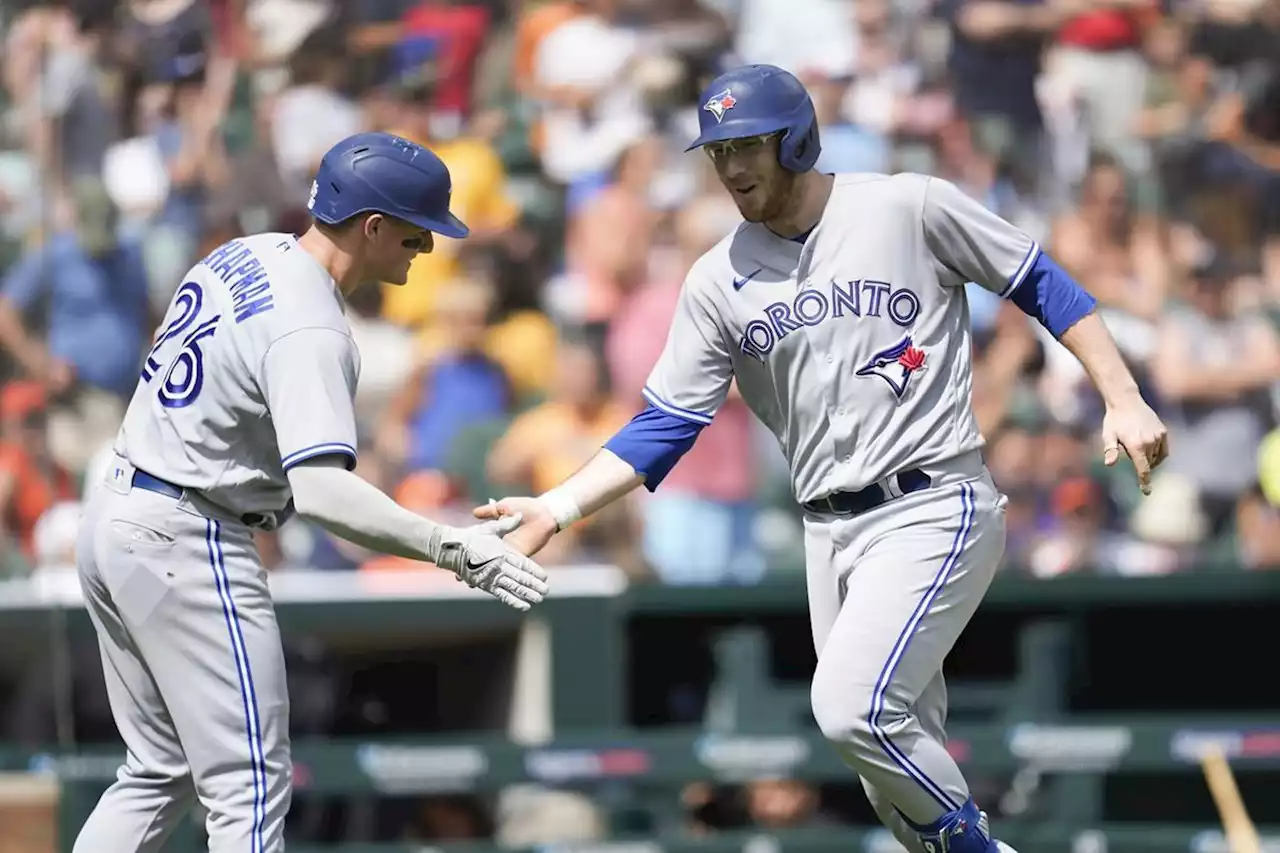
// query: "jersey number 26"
[[182, 381]]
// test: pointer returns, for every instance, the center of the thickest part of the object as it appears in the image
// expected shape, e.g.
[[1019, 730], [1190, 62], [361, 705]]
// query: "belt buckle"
[[889, 488], [263, 521], [837, 510], [822, 504]]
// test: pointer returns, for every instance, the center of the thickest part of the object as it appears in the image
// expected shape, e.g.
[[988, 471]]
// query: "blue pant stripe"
[[248, 696], [899, 650]]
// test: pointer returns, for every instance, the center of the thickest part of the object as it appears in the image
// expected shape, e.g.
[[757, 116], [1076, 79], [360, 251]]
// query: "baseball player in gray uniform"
[[839, 309], [244, 414]]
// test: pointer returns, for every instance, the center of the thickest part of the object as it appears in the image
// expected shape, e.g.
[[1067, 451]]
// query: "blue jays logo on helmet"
[[895, 365], [758, 100], [720, 103]]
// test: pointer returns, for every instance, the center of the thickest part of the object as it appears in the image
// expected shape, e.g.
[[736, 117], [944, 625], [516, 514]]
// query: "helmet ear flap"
[[809, 152], [798, 152]]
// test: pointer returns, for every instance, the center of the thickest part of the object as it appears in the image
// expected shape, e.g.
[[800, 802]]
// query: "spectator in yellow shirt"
[[552, 440], [479, 198]]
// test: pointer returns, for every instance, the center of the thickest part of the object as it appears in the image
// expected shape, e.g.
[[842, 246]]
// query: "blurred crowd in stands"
[[1138, 140]]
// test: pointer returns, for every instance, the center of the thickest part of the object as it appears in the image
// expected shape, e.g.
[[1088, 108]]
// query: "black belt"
[[865, 500], [152, 483]]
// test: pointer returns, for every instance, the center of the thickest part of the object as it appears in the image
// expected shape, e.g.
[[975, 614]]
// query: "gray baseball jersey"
[[852, 346], [253, 370]]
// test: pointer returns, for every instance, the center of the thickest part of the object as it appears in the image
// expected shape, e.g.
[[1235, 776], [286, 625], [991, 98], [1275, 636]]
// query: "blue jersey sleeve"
[[978, 246], [1050, 295], [653, 442]]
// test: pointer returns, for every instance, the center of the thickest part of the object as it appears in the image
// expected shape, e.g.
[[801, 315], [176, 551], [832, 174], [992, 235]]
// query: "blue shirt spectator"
[[95, 308], [995, 60], [183, 208], [459, 391]]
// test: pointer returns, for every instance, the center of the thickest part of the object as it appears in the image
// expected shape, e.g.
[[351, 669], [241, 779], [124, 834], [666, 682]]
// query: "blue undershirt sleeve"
[[653, 442], [1052, 297]]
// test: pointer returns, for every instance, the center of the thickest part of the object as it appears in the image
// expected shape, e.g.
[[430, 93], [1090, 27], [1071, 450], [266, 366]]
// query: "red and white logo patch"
[[720, 104], [896, 365]]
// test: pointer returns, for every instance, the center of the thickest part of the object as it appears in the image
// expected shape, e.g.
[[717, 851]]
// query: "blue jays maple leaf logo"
[[720, 104], [895, 365]]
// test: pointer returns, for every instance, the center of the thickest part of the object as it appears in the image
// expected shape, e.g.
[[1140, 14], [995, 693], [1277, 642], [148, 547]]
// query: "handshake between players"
[[481, 559]]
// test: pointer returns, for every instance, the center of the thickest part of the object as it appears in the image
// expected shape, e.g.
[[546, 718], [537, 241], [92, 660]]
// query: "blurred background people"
[[1137, 140], [1139, 143]]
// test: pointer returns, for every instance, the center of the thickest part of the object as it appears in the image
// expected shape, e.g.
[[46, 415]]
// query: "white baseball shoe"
[[1004, 848]]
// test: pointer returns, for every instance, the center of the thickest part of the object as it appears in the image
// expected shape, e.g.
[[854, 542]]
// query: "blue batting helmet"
[[381, 173], [756, 100]]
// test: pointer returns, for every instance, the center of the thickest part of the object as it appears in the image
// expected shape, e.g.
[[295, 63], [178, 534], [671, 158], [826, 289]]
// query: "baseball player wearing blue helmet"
[[243, 415], [382, 198], [764, 115], [839, 311]]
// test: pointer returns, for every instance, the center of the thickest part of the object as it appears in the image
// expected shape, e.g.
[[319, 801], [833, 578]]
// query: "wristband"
[[563, 508]]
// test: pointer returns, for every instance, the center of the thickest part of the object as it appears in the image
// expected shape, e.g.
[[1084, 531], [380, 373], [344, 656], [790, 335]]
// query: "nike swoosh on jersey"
[[739, 283]]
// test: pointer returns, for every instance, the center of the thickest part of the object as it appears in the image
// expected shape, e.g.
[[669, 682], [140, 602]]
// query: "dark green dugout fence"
[[1098, 679], [652, 767]]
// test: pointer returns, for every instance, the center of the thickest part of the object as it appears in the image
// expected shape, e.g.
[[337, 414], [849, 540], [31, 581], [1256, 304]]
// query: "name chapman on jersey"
[[244, 276], [812, 306]]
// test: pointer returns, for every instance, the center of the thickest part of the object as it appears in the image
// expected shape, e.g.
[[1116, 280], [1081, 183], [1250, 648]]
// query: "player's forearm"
[[347, 506], [1095, 349], [595, 485]]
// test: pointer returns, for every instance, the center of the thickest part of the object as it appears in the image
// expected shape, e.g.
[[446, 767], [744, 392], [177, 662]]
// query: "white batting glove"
[[479, 557]]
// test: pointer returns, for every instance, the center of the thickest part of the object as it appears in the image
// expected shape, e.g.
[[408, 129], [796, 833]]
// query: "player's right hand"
[[480, 558], [536, 527]]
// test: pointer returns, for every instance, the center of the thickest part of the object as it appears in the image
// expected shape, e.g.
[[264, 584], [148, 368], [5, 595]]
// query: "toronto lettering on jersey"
[[858, 298], [243, 273]]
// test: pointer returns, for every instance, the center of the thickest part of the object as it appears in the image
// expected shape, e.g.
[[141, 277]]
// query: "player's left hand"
[[1132, 427]]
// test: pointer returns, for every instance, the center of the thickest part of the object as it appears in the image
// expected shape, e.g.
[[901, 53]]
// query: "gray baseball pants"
[[194, 671], [889, 593]]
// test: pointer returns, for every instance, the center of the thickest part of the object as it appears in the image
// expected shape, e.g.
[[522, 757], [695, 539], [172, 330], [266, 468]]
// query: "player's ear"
[[373, 223]]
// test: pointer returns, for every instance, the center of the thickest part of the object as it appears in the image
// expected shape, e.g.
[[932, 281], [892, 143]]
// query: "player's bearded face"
[[392, 246], [750, 171]]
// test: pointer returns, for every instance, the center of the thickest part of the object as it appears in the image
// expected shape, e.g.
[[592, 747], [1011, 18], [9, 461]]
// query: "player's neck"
[[336, 261], [813, 191]]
